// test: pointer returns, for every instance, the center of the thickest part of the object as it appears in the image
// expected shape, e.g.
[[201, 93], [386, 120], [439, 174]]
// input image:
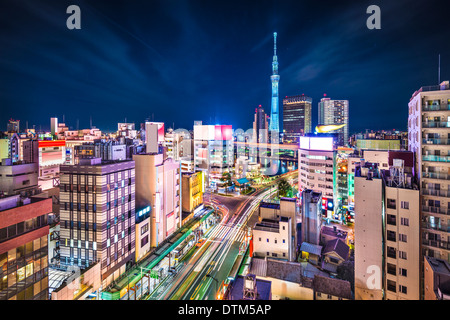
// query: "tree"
[[346, 271], [284, 188], [226, 177]]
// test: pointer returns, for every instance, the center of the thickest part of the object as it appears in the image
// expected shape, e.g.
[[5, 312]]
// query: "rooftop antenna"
[[439, 70], [90, 121]]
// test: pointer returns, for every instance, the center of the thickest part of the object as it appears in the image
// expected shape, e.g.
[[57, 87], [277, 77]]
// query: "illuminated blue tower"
[[275, 78]]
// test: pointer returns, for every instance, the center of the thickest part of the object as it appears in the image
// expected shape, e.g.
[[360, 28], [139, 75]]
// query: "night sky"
[[178, 61]]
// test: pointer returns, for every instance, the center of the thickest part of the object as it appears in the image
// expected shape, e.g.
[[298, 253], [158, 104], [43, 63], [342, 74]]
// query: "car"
[[200, 242]]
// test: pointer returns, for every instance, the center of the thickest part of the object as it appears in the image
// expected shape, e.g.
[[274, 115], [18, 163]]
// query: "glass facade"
[[24, 271]]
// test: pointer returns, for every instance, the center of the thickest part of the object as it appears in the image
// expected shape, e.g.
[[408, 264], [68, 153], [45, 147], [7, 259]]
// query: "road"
[[203, 269]]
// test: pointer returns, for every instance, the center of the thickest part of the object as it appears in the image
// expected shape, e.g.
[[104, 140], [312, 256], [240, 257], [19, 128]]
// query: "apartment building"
[[97, 215], [387, 232], [429, 139]]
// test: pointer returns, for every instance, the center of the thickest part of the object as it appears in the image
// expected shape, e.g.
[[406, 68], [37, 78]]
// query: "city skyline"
[[149, 60]]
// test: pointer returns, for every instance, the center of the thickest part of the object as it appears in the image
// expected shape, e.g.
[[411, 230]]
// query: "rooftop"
[[341, 234], [236, 289], [331, 286], [338, 246], [311, 248], [443, 86]]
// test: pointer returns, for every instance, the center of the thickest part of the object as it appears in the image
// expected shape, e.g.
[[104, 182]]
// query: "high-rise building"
[[54, 126], [97, 215], [154, 136], [158, 182], [275, 78], [213, 151], [24, 248], [429, 139], [316, 169], [13, 126], [260, 126], [296, 117], [387, 236], [335, 112]]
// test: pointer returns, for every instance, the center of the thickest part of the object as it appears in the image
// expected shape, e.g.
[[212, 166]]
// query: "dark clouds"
[[182, 61]]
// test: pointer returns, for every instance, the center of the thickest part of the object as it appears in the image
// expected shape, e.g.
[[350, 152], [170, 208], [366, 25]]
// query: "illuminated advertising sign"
[[322, 143], [304, 142], [317, 143], [210, 132], [224, 132], [52, 152], [324, 203], [143, 211], [206, 132], [51, 143]]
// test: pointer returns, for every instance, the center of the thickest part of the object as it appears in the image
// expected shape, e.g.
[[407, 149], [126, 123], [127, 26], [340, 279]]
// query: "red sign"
[[52, 143]]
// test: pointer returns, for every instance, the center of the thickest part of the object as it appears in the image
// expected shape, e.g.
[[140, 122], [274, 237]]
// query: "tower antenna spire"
[[275, 44]]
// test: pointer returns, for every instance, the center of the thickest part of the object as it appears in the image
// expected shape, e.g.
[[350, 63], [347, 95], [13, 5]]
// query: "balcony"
[[436, 141], [436, 107], [435, 226], [435, 124], [435, 158], [435, 210], [436, 193], [436, 244], [434, 175]]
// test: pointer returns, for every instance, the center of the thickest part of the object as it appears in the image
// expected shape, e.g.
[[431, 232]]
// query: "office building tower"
[[429, 139], [213, 151], [97, 215], [274, 78], [317, 168], [260, 126], [13, 126], [158, 183], [296, 118], [335, 112], [154, 136], [54, 126], [24, 248]]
